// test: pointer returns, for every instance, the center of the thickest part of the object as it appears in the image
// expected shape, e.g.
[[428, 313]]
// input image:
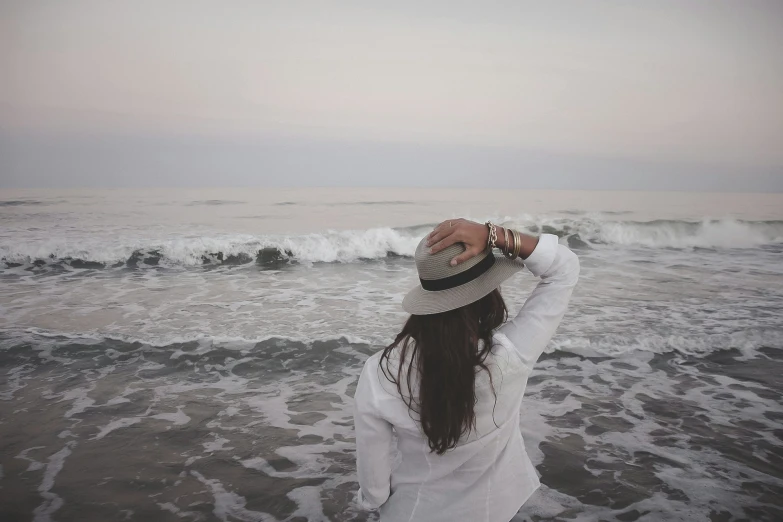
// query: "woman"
[[449, 388]]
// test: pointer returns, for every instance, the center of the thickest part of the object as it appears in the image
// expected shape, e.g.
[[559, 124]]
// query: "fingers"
[[449, 223], [454, 231], [433, 232], [443, 225], [439, 234], [448, 239], [446, 234], [467, 254]]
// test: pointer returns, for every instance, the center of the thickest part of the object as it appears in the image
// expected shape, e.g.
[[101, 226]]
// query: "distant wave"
[[20, 203], [214, 202], [377, 203], [725, 233], [709, 233], [377, 243], [747, 343], [697, 344], [288, 203]]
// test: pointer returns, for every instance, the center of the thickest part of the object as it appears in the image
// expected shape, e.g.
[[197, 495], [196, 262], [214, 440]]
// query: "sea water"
[[192, 354]]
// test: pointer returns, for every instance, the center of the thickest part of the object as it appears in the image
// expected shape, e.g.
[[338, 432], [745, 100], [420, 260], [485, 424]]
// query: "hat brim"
[[425, 302]]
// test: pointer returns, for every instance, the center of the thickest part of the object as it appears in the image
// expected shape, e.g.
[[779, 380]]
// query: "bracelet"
[[493, 235], [509, 253], [512, 252], [505, 241]]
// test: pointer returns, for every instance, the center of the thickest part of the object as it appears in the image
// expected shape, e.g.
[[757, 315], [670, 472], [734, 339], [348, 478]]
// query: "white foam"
[[178, 418], [181, 513], [116, 425], [308, 503], [330, 246], [724, 233], [707, 233], [34, 464], [219, 444], [229, 412], [15, 381], [205, 343], [80, 399], [347, 246], [52, 502], [697, 344], [704, 474], [230, 506]]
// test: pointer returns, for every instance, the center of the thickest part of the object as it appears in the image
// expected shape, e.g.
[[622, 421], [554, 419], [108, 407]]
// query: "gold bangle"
[[517, 244], [505, 241], [511, 245]]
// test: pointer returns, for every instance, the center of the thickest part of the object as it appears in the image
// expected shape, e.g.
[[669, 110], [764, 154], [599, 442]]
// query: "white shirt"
[[488, 475]]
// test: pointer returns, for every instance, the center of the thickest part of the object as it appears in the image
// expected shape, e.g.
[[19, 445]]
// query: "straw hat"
[[444, 287]]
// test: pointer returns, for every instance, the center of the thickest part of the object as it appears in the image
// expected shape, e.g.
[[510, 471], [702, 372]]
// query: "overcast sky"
[[589, 94]]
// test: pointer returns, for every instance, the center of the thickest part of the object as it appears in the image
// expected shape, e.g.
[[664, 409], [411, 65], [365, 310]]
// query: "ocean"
[[192, 354]]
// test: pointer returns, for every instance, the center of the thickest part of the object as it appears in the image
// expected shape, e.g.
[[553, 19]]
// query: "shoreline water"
[[206, 431], [181, 390]]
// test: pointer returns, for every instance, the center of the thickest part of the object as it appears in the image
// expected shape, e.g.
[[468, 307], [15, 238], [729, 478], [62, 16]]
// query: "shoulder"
[[371, 366], [374, 360], [379, 374], [501, 342], [504, 352], [389, 362], [369, 377]]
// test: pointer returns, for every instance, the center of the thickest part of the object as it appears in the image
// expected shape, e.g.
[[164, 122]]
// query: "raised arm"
[[537, 321], [555, 264]]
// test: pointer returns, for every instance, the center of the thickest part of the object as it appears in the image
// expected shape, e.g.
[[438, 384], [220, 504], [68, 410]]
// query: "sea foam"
[[349, 246]]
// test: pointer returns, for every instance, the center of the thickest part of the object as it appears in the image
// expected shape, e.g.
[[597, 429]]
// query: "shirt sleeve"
[[537, 321], [373, 443]]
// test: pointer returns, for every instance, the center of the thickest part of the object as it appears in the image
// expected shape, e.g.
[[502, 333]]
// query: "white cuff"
[[543, 256], [362, 502]]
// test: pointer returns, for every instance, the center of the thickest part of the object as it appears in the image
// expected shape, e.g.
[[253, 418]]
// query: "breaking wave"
[[342, 246], [376, 243]]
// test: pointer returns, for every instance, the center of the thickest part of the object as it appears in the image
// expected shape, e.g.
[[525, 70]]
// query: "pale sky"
[[682, 94]]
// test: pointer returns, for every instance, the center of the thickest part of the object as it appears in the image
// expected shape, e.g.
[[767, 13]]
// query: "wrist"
[[484, 235], [501, 241]]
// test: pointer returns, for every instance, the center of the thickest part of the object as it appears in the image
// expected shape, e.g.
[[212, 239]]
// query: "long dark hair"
[[445, 352]]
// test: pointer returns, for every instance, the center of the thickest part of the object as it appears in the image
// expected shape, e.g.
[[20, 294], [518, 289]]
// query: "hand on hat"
[[473, 235]]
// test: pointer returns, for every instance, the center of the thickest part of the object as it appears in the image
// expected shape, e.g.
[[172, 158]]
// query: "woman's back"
[[485, 465], [487, 474]]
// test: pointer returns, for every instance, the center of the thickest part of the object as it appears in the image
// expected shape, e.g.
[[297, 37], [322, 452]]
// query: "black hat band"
[[463, 277]]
